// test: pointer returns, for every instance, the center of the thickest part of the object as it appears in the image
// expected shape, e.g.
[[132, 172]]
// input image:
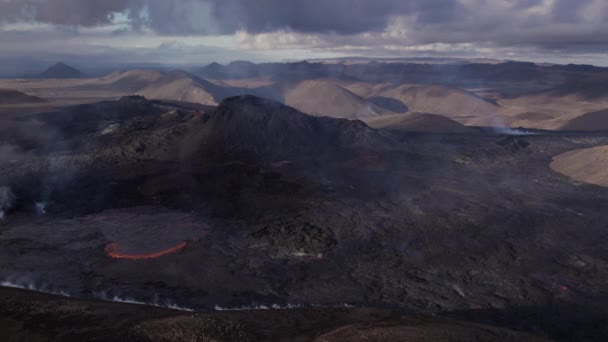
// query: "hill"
[[419, 122], [129, 79], [589, 165], [324, 98], [182, 86], [457, 104], [9, 97], [594, 121], [588, 90], [574, 105], [61, 70]]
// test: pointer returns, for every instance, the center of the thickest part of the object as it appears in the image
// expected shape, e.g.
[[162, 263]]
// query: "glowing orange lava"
[[112, 251]]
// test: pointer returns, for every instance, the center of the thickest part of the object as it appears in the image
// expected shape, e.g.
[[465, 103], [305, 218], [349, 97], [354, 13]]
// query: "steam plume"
[[7, 199]]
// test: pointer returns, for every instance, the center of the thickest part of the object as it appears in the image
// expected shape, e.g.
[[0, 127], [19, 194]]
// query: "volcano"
[[249, 202], [268, 129]]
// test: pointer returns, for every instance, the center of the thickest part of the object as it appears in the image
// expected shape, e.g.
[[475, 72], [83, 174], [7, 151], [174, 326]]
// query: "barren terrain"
[[216, 195]]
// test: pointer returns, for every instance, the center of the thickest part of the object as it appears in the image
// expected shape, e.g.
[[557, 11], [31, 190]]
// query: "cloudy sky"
[[192, 32]]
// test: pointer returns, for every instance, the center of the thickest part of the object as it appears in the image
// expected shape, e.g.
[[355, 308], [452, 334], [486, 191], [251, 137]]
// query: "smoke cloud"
[[7, 200]]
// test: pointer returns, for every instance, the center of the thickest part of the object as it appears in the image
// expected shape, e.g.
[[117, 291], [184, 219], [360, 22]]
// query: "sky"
[[107, 33]]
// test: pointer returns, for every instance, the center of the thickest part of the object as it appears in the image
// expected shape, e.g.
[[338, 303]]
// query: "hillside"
[[574, 105], [454, 103], [10, 97], [588, 165], [419, 122], [324, 98], [594, 121], [269, 129], [181, 86], [129, 79]]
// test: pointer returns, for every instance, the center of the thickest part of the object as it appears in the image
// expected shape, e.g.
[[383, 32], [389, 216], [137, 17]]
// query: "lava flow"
[[112, 251]]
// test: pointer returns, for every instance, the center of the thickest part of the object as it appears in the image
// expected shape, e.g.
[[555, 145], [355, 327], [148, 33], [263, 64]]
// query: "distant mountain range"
[[397, 71]]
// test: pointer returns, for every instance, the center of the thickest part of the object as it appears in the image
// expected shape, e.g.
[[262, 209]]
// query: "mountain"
[[418, 122], [60, 70], [320, 97], [269, 129], [9, 97]]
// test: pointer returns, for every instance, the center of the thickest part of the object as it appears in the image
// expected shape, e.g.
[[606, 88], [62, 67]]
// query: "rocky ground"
[[254, 203], [26, 316]]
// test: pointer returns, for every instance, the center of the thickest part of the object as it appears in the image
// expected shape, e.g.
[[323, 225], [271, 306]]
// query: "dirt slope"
[[594, 121], [457, 104], [418, 122], [129, 79], [181, 86], [320, 97], [588, 165], [9, 97]]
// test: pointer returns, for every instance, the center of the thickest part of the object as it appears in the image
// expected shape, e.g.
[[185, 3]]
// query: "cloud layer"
[[561, 27]]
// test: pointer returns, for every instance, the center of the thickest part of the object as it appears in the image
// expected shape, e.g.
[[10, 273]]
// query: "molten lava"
[[112, 251]]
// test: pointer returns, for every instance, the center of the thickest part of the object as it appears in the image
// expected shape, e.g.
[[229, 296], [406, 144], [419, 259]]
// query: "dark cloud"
[[364, 24], [345, 17], [227, 16], [63, 12], [312, 16]]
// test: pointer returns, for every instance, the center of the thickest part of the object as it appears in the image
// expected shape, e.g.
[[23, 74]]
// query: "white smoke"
[[511, 131], [40, 208], [167, 304], [7, 199], [26, 285], [157, 302]]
